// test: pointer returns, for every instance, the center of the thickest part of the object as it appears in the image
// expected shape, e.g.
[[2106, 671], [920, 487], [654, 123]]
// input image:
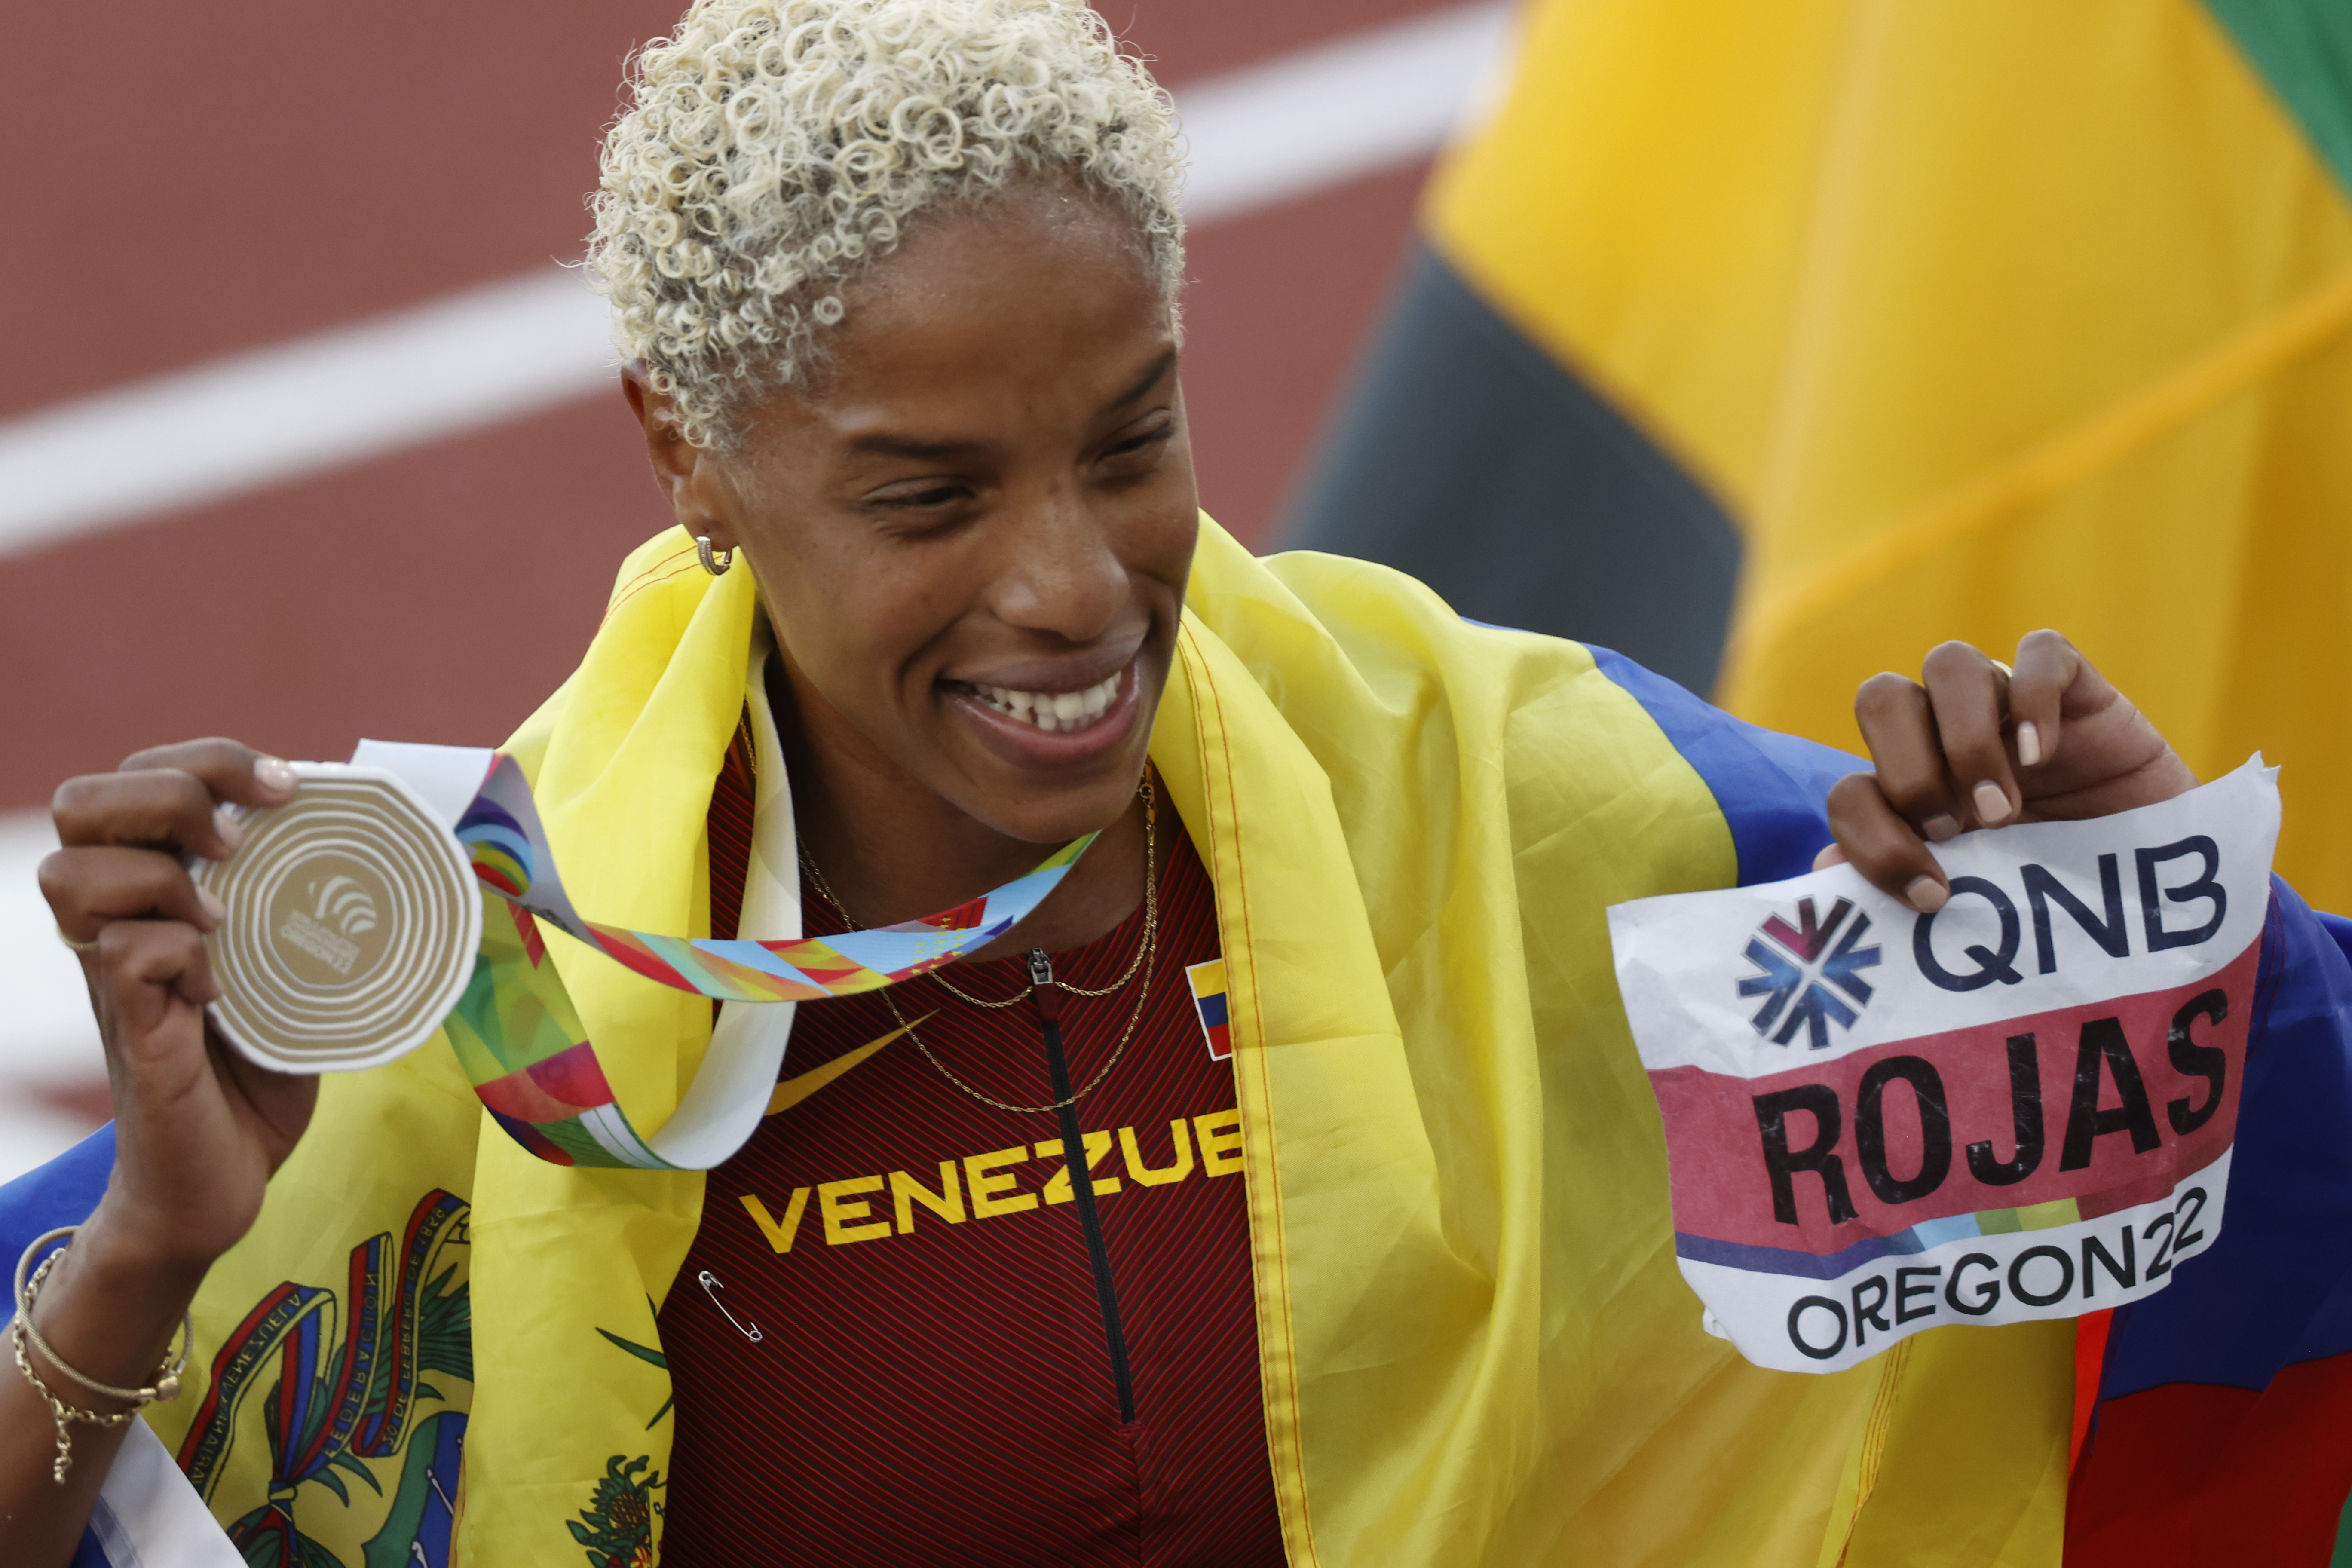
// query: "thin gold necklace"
[[1146, 958], [1150, 799]]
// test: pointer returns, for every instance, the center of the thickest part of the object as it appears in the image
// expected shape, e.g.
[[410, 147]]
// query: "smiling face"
[[972, 535]]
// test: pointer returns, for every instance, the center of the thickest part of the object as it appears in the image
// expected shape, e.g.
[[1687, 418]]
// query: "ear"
[[688, 478]]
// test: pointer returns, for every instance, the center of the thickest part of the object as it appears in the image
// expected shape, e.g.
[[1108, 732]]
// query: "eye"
[[1161, 426], [918, 495]]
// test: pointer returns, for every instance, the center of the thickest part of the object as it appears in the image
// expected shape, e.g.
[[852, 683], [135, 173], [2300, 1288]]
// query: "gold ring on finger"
[[89, 946], [2003, 664]]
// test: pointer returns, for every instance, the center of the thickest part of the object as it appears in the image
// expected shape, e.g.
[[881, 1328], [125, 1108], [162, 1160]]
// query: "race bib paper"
[[2021, 1106]]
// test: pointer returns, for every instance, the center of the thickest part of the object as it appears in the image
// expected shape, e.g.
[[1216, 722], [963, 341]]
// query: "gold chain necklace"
[[1150, 920], [1146, 957]]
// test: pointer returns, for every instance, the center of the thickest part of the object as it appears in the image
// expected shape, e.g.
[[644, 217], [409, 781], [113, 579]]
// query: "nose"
[[1059, 570]]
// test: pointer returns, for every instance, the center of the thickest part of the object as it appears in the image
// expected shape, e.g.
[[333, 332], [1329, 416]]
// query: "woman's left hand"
[[1967, 745]]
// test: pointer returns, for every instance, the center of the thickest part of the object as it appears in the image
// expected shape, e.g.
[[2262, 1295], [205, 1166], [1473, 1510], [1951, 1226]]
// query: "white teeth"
[[1054, 711]]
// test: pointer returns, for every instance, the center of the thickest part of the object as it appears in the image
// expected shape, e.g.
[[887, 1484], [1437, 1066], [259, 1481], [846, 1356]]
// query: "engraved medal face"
[[328, 921], [352, 923]]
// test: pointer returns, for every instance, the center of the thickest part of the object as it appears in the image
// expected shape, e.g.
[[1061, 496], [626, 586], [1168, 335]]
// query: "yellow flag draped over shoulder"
[[514, 1364], [1477, 1346], [1477, 1349], [1975, 316]]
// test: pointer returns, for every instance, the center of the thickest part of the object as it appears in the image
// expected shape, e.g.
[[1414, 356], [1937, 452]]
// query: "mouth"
[[1054, 731], [1053, 713]]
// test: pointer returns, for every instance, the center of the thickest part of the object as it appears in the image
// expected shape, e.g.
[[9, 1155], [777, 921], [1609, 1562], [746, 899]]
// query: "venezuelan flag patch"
[[1208, 1001]]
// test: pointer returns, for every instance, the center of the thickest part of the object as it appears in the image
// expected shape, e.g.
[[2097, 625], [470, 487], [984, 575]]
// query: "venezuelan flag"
[[1208, 983], [1765, 340], [2214, 1421]]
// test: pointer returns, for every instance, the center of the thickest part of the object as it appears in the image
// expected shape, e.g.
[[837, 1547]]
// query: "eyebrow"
[[1146, 381], [943, 451], [916, 452]]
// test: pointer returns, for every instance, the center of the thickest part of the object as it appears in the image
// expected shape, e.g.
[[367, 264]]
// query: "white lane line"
[[1260, 136], [1305, 121], [196, 435]]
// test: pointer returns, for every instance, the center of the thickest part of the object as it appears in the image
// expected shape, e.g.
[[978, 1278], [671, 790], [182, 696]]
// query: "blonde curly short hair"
[[774, 148]]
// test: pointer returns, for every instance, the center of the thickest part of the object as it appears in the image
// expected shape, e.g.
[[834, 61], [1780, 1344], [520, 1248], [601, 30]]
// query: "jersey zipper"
[[1082, 1182]]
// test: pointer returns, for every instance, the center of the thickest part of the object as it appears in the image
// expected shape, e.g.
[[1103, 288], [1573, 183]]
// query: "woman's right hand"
[[198, 1128]]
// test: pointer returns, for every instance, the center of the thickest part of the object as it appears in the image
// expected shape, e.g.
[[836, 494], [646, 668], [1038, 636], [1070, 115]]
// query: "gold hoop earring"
[[715, 565]]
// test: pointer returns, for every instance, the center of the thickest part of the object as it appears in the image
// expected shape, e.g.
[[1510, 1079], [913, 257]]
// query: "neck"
[[892, 849]]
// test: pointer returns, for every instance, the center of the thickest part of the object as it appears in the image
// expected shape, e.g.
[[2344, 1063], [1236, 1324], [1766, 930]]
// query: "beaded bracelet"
[[167, 1378]]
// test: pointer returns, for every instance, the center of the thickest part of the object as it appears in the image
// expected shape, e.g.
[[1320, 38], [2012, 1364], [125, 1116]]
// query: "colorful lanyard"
[[528, 1056], [509, 848]]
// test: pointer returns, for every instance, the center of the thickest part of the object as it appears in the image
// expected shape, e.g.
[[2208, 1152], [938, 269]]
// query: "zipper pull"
[[1041, 977]]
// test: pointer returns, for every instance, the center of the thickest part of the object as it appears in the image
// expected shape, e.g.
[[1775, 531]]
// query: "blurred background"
[[1769, 341]]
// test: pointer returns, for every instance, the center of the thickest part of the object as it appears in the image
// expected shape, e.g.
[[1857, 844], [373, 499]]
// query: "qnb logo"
[[1975, 965], [342, 902], [1803, 974]]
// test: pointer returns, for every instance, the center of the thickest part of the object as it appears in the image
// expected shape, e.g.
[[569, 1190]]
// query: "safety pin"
[[712, 1287]]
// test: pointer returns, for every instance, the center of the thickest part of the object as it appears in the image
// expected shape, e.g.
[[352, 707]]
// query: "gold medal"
[[352, 923]]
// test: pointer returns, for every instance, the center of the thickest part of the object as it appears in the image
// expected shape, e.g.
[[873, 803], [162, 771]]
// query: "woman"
[[1384, 1279]]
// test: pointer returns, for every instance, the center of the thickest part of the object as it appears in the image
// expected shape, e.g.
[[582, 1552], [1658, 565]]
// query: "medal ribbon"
[[523, 1043]]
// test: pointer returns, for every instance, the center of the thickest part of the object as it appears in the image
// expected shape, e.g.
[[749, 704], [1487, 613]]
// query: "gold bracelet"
[[59, 1409], [167, 1379]]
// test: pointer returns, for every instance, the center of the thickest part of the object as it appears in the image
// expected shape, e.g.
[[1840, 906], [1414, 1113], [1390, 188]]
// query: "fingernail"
[[2029, 744], [1993, 802], [1939, 829], [230, 831], [1926, 894], [214, 911], [273, 774]]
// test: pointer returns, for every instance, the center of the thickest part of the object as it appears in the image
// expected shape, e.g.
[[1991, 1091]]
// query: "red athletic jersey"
[[932, 1382]]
